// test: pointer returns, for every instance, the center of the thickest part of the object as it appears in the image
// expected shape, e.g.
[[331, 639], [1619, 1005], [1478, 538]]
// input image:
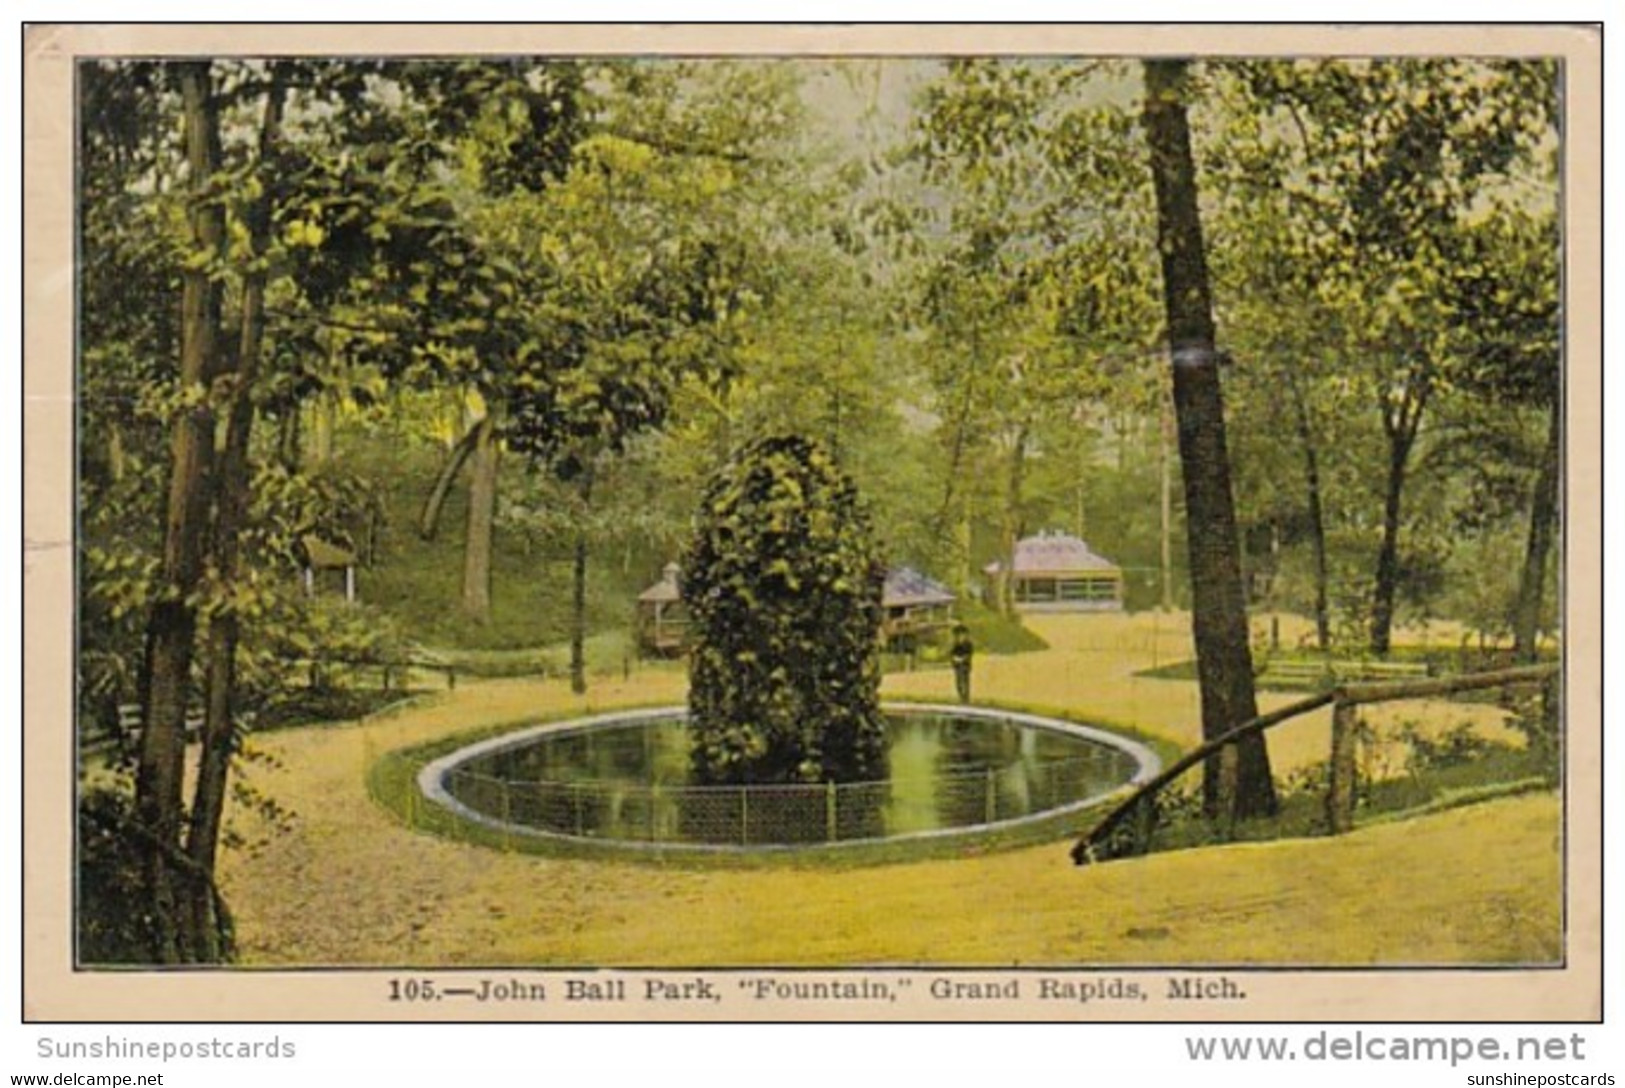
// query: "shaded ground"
[[351, 886]]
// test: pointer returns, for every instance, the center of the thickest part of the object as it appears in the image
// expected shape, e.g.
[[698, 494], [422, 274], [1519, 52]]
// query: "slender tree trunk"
[[1542, 531], [1239, 783], [429, 520], [956, 501], [231, 515], [115, 452], [962, 542], [1010, 530], [1401, 436], [321, 424], [172, 625], [1317, 515], [578, 599], [323, 408], [1165, 532], [482, 506]]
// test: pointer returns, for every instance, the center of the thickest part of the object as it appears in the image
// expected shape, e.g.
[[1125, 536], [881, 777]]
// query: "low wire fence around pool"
[[784, 815]]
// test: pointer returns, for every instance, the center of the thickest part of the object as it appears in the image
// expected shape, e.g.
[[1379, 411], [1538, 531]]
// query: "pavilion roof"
[[1054, 553], [906, 586]]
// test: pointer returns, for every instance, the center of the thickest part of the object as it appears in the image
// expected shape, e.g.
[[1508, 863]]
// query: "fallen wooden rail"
[[1083, 853], [1340, 793]]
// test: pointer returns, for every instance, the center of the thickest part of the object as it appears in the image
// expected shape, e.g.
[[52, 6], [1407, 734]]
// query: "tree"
[[1241, 782], [287, 241], [1387, 163], [172, 626], [512, 126], [784, 585], [230, 521], [1035, 292], [1508, 285], [640, 264]]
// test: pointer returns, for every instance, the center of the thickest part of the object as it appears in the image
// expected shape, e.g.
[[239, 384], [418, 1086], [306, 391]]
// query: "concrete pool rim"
[[431, 779]]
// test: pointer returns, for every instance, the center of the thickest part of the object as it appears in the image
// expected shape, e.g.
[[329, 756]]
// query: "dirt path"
[[351, 886]]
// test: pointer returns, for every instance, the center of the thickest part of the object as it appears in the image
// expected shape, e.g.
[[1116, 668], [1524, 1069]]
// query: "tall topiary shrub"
[[784, 585]]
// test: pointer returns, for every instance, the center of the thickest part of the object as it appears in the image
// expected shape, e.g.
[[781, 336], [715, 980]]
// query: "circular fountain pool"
[[624, 780]]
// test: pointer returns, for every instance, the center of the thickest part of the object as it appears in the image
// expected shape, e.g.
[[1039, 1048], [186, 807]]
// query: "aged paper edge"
[[54, 992]]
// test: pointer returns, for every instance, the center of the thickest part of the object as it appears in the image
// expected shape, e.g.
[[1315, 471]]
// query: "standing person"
[[963, 650]]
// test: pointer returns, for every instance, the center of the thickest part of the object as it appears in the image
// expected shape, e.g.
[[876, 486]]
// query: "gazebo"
[[662, 616], [915, 606], [319, 556], [1056, 572]]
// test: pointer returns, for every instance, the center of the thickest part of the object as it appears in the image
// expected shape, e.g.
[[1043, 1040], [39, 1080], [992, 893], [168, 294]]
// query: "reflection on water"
[[631, 782]]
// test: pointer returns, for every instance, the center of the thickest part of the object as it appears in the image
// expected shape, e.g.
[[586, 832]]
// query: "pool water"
[[628, 780]]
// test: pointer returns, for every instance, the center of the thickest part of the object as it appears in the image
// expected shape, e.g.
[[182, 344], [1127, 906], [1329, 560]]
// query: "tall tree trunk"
[[1165, 528], [1400, 422], [116, 459], [324, 407], [1238, 781], [954, 516], [1010, 529], [172, 625], [578, 597], [1387, 581], [231, 515], [1542, 530], [962, 543], [1317, 515], [482, 506], [321, 425]]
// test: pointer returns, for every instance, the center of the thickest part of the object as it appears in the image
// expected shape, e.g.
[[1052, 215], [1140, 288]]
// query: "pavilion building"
[[1056, 572]]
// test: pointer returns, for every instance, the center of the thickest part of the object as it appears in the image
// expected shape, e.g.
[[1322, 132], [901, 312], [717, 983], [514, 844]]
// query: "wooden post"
[[1143, 826], [830, 826], [507, 815], [1340, 784]]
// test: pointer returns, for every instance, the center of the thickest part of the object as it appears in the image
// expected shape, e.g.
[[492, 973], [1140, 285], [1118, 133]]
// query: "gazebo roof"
[[1054, 553], [663, 591], [906, 587], [324, 555]]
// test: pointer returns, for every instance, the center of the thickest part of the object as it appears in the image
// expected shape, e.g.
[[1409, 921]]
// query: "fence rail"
[[1341, 765]]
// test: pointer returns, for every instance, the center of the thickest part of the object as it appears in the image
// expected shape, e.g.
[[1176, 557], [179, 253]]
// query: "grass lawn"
[[351, 885], [419, 582]]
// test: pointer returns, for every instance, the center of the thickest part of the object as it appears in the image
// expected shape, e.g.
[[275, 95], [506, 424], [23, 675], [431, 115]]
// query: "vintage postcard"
[[617, 523]]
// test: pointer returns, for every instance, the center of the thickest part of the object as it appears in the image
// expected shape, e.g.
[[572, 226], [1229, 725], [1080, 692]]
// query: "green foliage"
[[412, 580], [784, 586], [1453, 747], [112, 863], [1387, 239], [1539, 718], [1455, 768]]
